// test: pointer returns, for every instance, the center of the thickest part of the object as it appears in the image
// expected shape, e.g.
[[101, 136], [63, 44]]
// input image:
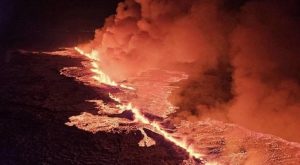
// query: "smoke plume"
[[242, 57]]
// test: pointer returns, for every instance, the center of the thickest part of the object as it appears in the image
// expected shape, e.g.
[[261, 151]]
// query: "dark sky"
[[24, 23]]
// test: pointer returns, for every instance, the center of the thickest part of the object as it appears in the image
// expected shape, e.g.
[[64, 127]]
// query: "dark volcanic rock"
[[35, 103]]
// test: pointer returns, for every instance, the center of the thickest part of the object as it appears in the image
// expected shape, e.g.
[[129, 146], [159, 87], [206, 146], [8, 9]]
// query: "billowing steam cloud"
[[266, 58], [243, 57]]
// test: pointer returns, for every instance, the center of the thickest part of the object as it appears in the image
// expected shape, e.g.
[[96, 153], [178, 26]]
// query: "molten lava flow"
[[101, 77], [139, 117], [93, 55]]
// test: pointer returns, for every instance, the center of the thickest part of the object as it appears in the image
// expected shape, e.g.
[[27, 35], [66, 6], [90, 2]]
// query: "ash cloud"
[[242, 57]]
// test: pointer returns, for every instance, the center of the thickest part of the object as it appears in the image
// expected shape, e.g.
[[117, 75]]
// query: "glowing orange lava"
[[101, 77], [139, 117]]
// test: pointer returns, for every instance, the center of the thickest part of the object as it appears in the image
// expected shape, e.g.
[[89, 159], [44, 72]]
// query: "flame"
[[101, 77]]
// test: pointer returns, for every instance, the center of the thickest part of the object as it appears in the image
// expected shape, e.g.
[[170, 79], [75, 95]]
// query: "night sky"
[[31, 23]]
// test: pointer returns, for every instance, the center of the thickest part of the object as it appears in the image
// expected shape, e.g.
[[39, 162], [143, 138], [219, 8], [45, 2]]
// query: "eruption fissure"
[[101, 77], [139, 117]]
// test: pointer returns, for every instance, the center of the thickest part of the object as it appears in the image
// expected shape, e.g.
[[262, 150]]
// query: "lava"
[[139, 117], [101, 77]]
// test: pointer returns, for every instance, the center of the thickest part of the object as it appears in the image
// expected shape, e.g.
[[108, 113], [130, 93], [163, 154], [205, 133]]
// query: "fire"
[[101, 77]]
